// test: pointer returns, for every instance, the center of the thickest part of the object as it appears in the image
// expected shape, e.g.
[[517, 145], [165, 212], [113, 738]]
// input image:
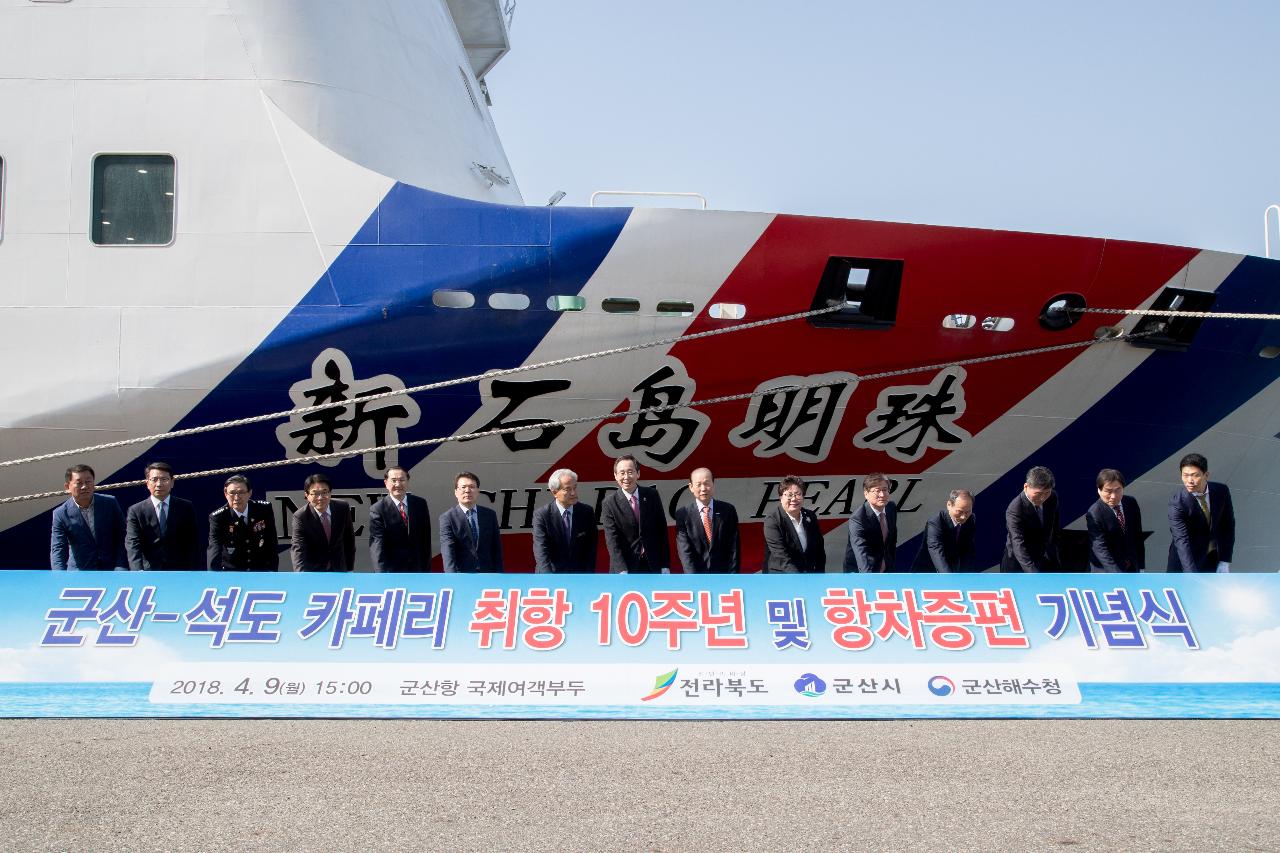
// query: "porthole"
[[727, 311], [508, 301], [620, 305], [452, 299], [675, 308], [566, 303]]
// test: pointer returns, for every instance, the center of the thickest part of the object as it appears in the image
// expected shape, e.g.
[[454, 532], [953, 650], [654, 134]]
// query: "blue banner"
[[192, 644]]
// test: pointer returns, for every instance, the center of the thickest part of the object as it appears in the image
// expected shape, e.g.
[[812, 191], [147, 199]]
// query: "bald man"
[[707, 529]]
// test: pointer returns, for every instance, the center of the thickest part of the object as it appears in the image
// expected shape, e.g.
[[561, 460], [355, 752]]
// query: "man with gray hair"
[[564, 531], [948, 537], [1033, 526]]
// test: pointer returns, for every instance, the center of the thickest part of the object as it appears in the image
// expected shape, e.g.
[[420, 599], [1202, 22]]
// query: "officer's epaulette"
[[222, 509]]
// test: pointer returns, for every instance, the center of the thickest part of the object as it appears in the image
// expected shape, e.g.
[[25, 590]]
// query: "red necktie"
[[1120, 516], [706, 522], [404, 516]]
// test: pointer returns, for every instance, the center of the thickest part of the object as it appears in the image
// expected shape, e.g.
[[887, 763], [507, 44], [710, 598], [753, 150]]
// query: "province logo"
[[661, 685]]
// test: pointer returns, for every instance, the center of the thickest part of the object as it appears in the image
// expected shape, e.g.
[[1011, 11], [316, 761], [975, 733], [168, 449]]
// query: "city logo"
[[940, 685], [810, 685], [661, 685]]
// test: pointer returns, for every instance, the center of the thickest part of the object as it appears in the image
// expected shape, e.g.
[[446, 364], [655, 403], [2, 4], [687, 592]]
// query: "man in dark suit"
[[323, 531], [399, 528], [161, 531], [1202, 522], [469, 537], [707, 529], [873, 529], [792, 538], [242, 532], [1115, 527], [564, 531], [635, 524], [88, 529], [948, 537], [1033, 526]]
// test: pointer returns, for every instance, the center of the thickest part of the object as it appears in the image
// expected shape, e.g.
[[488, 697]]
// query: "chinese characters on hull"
[[910, 419], [361, 424], [800, 422], [660, 440], [793, 416]]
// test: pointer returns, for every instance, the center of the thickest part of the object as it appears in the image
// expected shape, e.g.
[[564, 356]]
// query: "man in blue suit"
[[161, 531], [399, 528], [873, 529], [469, 537], [1202, 522], [88, 529]]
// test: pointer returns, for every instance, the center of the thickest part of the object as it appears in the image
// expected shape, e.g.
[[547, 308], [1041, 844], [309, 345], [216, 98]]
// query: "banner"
[[205, 644]]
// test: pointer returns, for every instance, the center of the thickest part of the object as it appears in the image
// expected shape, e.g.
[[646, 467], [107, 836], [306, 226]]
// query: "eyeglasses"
[[793, 496], [319, 493], [877, 490], [236, 493]]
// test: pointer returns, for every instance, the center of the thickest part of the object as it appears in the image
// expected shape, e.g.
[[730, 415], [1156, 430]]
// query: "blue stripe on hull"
[[375, 304]]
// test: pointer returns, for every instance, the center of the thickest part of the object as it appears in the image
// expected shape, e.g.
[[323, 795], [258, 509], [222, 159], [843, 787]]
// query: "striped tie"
[[706, 522]]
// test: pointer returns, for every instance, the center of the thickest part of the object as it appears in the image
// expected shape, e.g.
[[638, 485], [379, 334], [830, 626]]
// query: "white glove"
[[1224, 568]]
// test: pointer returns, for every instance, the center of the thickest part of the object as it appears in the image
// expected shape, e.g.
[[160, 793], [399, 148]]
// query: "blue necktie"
[[164, 518], [475, 531], [568, 526]]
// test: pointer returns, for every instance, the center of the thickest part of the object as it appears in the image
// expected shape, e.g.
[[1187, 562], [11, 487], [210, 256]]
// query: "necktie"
[[1120, 516], [403, 515], [568, 526], [635, 508], [163, 516], [706, 522], [328, 528], [475, 531], [1204, 507], [884, 536]]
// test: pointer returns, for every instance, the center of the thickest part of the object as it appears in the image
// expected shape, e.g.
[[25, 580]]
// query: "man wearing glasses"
[[161, 530], [873, 529], [323, 533]]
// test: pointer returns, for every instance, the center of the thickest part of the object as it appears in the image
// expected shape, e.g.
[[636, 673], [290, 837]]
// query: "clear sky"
[[1130, 118]]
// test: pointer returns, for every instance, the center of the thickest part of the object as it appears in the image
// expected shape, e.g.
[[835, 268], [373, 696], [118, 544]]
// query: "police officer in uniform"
[[242, 534]]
